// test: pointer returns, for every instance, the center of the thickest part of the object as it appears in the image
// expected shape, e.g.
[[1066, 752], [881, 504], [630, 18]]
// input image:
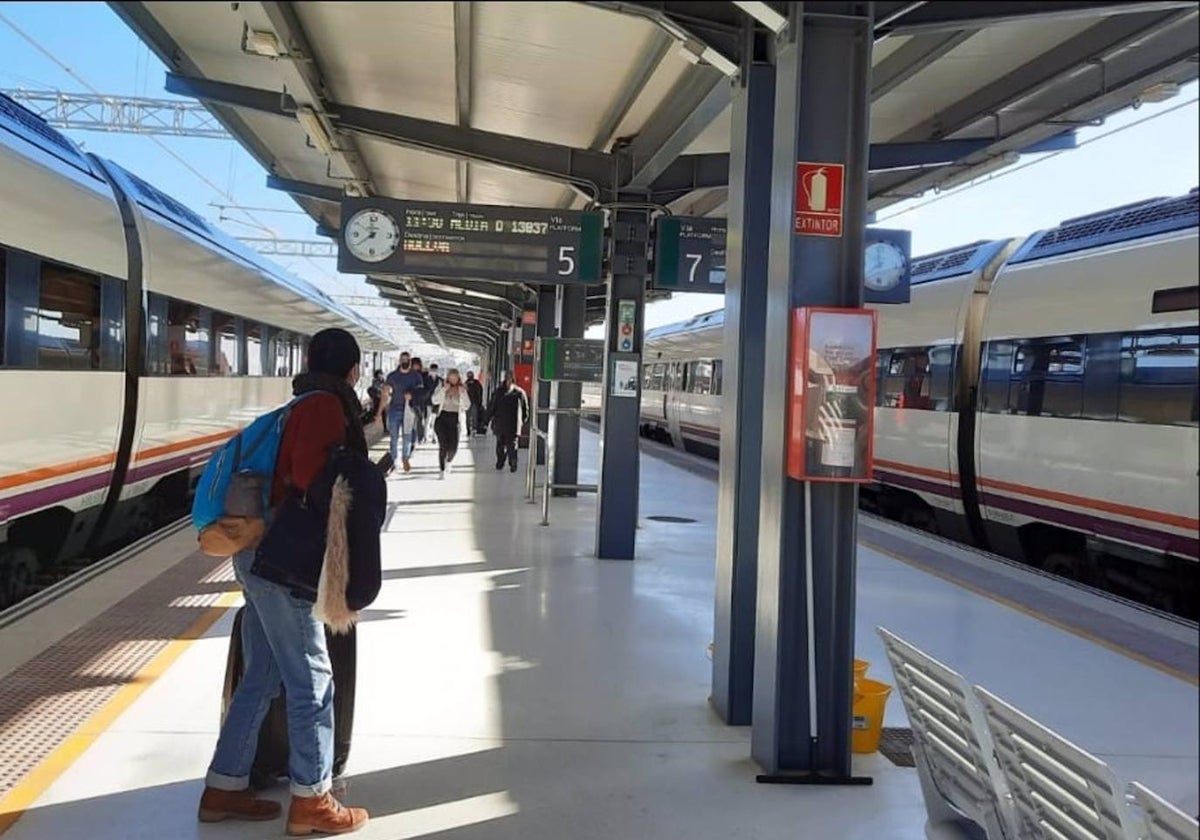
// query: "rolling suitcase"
[[271, 758]]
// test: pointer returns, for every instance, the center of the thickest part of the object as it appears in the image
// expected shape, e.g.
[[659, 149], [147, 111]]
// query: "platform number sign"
[[689, 254], [471, 241]]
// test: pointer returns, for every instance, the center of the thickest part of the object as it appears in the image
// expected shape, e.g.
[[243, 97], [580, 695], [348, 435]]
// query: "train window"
[[1160, 378], [188, 338], [68, 319], [718, 373], [1047, 378], [226, 345], [278, 354], [296, 353], [700, 378], [997, 374], [254, 349], [112, 316], [908, 382], [158, 360]]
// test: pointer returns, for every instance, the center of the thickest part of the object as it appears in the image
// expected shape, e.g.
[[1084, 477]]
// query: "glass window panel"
[[68, 319]]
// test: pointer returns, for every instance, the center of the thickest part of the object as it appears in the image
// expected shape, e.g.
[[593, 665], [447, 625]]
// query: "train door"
[[673, 401]]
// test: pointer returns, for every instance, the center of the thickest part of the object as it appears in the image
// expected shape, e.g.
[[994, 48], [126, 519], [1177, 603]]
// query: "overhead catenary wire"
[[1014, 169], [69, 71]]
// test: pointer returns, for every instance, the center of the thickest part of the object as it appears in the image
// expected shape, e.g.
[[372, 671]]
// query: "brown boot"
[[217, 805], [323, 814]]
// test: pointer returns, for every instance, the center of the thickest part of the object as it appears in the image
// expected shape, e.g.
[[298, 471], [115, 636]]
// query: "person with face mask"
[[508, 412], [475, 411], [403, 379]]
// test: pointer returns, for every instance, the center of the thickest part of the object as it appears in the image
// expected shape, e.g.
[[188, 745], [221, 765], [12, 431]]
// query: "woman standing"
[[451, 396]]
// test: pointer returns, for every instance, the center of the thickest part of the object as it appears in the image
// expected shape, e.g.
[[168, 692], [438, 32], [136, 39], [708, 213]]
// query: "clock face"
[[885, 266], [372, 235]]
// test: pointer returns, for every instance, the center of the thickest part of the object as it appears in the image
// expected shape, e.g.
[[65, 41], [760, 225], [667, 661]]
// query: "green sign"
[[571, 360], [689, 254]]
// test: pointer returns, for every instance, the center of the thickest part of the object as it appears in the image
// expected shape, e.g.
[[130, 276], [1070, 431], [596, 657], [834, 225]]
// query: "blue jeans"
[[395, 422], [282, 644]]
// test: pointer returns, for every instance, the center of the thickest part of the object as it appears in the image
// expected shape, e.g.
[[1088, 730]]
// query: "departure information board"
[[470, 241], [689, 254], [572, 359]]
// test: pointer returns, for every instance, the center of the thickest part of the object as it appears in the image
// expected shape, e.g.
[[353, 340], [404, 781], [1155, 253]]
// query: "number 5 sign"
[[689, 254]]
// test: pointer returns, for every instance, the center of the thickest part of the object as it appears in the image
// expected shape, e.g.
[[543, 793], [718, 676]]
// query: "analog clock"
[[372, 235], [885, 266]]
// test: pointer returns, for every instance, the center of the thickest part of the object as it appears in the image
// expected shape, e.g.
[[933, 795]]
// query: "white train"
[[134, 339], [1038, 398]]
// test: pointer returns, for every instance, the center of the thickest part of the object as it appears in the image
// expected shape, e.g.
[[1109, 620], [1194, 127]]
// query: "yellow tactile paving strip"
[[44, 701]]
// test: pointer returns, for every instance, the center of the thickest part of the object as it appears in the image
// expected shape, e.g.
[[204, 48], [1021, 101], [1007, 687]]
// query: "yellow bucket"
[[860, 668], [870, 700]]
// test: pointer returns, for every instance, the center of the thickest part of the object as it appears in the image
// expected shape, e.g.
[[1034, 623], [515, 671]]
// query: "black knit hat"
[[333, 351]]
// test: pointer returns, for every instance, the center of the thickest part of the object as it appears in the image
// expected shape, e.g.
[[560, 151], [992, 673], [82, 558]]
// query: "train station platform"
[[512, 686]]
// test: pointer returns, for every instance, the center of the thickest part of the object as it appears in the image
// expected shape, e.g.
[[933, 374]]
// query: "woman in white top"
[[451, 396]]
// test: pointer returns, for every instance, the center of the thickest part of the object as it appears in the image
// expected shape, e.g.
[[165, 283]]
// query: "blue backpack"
[[236, 483]]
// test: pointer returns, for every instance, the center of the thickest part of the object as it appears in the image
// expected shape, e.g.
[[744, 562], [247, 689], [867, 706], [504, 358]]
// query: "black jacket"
[[475, 392], [509, 411], [325, 546]]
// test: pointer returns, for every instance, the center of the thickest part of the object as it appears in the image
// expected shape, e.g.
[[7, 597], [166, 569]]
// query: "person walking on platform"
[[421, 398], [433, 381], [454, 400], [508, 412], [475, 411], [403, 380], [282, 641]]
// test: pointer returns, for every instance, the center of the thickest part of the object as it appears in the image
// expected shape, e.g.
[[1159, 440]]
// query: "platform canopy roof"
[[560, 104]]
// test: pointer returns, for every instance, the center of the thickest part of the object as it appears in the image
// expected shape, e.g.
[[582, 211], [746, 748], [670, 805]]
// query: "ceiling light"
[[312, 126], [262, 43], [764, 14], [1160, 92]]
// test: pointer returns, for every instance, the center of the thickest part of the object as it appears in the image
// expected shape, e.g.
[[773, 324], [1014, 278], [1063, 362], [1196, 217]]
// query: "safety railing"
[[986, 766], [548, 440]]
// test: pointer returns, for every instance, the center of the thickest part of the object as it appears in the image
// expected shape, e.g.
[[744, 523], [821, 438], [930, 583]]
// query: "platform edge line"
[[1114, 647], [17, 801]]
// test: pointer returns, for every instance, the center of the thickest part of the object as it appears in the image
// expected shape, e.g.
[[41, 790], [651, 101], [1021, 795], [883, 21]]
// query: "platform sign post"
[[476, 241], [689, 254]]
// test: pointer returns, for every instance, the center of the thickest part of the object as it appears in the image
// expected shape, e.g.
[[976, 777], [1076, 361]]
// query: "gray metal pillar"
[[573, 313], [617, 515], [741, 394], [803, 681], [546, 305]]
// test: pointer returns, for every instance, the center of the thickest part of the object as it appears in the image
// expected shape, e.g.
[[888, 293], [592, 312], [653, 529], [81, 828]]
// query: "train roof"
[[707, 320], [1113, 226], [31, 128], [955, 262]]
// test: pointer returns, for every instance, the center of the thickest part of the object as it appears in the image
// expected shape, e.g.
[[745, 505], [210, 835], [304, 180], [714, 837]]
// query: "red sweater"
[[313, 426]]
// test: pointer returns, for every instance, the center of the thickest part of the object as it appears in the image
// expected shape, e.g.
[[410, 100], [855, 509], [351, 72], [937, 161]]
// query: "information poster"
[[624, 381], [831, 418]]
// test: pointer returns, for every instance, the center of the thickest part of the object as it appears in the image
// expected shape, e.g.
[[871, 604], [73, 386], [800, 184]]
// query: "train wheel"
[[919, 517]]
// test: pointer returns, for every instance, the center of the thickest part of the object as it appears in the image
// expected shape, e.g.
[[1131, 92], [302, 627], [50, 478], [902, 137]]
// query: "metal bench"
[[1160, 820], [962, 785], [1059, 791]]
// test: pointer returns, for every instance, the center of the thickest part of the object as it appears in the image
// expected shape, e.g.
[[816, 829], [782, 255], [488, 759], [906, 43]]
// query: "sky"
[[1158, 157]]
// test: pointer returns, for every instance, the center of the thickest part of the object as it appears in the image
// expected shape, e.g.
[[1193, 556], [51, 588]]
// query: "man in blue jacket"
[[403, 379]]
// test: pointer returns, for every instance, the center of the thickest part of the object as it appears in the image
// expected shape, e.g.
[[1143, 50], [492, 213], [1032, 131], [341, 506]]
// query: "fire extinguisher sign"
[[819, 194]]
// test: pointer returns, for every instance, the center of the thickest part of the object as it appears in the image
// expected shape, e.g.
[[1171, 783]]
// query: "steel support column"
[[802, 661], [617, 515], [741, 394], [573, 303], [546, 306]]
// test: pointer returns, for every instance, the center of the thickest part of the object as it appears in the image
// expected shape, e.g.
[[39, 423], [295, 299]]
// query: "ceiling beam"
[[947, 15], [463, 31], [320, 192], [692, 104], [596, 171], [286, 23], [911, 58]]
